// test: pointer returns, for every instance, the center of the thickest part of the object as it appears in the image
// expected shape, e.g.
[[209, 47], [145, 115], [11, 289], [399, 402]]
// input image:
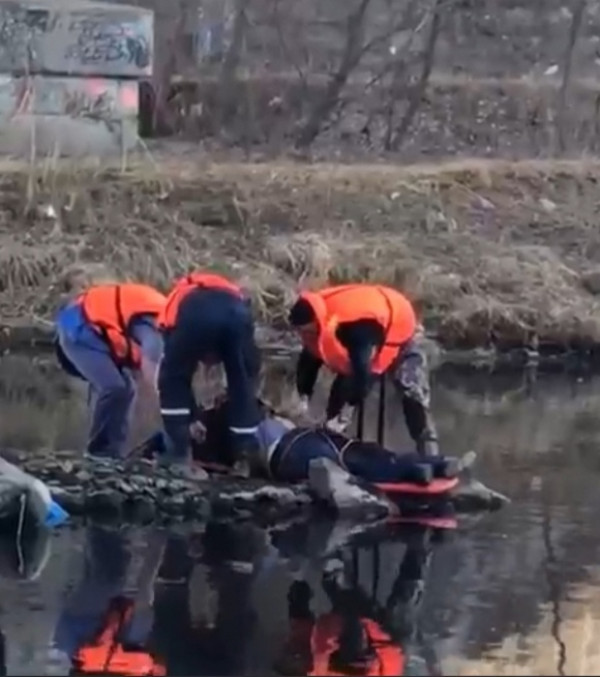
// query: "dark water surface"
[[514, 593]]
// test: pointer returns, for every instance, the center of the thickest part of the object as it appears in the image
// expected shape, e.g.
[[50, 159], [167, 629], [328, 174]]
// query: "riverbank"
[[491, 252]]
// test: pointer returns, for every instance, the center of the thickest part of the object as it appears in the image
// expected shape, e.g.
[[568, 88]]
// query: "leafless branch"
[[284, 47], [351, 55], [233, 55], [576, 22], [416, 94]]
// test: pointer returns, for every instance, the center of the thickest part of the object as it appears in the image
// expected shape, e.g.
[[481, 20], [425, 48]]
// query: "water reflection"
[[105, 625], [518, 592], [139, 615]]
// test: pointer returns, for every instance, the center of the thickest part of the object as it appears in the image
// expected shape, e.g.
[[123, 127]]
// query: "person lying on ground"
[[207, 319], [107, 336], [285, 451], [360, 332]]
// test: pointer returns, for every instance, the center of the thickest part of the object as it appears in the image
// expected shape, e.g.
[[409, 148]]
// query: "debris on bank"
[[138, 491]]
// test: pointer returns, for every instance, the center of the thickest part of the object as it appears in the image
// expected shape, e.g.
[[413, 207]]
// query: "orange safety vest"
[[185, 285], [110, 308], [105, 655], [351, 302], [388, 659]]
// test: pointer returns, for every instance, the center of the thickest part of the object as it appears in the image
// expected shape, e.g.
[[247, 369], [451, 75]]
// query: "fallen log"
[[138, 491]]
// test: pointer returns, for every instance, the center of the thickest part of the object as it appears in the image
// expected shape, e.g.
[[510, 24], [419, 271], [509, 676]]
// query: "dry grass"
[[481, 246]]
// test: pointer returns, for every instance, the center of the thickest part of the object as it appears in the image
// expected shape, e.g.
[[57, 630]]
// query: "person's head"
[[81, 276], [302, 317]]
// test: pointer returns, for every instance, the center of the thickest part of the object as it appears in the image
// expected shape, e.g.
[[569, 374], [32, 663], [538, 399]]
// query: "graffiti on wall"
[[100, 40], [19, 27]]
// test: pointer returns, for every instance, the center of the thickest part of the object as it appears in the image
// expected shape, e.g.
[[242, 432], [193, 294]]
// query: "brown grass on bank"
[[482, 246]]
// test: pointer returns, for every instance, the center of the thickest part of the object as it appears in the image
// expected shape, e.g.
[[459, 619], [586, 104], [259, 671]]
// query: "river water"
[[516, 592]]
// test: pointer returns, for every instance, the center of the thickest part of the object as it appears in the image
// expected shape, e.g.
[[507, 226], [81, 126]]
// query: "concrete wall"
[[71, 71], [67, 116], [75, 38]]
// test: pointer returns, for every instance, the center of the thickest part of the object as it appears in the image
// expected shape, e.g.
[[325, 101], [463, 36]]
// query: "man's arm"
[[307, 370], [361, 339], [145, 333]]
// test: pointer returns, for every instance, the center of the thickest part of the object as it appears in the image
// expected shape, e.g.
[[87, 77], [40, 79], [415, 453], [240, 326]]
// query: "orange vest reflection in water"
[[106, 655]]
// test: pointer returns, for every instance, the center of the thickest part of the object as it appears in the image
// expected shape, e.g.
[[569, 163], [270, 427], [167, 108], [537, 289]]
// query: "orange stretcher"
[[434, 488]]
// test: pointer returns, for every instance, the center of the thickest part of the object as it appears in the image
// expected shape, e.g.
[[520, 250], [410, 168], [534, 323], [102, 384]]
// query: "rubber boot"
[[449, 469]]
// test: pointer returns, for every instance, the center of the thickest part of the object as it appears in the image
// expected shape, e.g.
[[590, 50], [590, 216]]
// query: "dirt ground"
[[490, 251]]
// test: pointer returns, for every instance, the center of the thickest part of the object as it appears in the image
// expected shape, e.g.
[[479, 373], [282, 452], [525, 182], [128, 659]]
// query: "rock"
[[474, 496], [591, 281], [484, 203], [548, 205], [139, 491], [127, 489], [339, 490]]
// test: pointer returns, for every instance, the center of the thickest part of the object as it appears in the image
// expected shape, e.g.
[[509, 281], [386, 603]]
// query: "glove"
[[337, 424], [197, 431], [303, 405], [340, 422], [245, 448]]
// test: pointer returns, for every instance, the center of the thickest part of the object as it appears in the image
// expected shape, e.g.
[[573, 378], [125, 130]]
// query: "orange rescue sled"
[[434, 488]]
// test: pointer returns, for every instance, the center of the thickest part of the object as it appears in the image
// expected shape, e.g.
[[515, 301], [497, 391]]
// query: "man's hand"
[[197, 431], [299, 410], [220, 399], [340, 422], [303, 405], [337, 424]]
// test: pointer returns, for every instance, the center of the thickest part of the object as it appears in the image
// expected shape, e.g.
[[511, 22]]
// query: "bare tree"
[[562, 107], [385, 62], [351, 55], [415, 94], [231, 61]]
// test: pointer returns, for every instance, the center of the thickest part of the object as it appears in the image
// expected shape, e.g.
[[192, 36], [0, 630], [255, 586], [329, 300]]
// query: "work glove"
[[341, 422], [197, 431], [245, 448], [303, 405]]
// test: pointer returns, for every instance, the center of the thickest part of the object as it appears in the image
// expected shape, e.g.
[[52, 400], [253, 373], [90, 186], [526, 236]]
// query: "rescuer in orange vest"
[[207, 319], [360, 635], [348, 640], [361, 331], [103, 628], [104, 336]]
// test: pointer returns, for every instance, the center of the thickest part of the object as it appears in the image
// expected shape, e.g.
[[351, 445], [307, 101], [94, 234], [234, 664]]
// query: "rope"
[[20, 526]]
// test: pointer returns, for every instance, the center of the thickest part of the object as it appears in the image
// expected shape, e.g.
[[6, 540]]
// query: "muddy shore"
[[495, 254]]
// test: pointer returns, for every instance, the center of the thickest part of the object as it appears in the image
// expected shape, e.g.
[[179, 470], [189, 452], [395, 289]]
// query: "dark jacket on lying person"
[[285, 452]]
